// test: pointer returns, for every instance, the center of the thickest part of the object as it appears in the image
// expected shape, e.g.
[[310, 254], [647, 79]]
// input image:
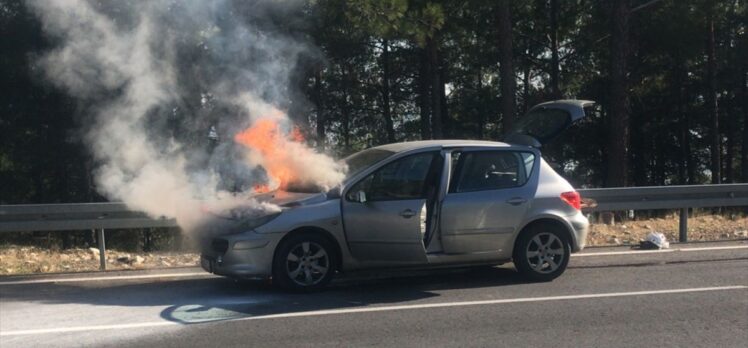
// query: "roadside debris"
[[700, 228], [654, 240]]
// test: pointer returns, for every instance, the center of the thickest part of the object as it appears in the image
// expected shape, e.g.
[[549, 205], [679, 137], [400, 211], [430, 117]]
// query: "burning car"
[[422, 204]]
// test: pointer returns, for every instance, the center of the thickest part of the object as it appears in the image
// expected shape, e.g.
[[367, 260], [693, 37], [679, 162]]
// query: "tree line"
[[670, 78]]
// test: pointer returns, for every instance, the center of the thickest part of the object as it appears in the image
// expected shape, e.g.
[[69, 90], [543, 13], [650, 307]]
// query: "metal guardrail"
[[76, 217], [667, 197], [101, 216]]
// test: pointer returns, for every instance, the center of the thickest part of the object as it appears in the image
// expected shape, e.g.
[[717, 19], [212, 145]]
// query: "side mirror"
[[360, 197], [333, 192]]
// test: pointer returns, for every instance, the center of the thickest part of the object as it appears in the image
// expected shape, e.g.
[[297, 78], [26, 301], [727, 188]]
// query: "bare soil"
[[700, 228], [26, 260]]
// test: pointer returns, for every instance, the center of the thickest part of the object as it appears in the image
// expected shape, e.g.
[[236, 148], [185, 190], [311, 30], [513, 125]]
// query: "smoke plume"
[[173, 94]]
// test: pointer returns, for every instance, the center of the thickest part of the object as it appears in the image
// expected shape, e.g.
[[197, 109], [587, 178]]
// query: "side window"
[[529, 159], [399, 180], [492, 170], [455, 160]]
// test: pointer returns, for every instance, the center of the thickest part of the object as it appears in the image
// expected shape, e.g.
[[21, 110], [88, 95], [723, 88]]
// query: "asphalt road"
[[608, 297]]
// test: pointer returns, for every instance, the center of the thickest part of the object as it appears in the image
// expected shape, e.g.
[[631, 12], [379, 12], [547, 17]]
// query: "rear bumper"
[[580, 228]]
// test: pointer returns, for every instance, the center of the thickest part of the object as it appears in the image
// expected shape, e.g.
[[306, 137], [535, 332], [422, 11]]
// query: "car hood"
[[287, 199], [250, 210], [218, 222]]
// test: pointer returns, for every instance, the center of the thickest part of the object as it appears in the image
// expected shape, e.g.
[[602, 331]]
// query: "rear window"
[[542, 124], [491, 170]]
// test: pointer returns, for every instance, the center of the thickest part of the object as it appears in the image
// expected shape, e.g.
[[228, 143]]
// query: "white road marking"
[[121, 277], [609, 253], [630, 252], [89, 328], [716, 248], [377, 309]]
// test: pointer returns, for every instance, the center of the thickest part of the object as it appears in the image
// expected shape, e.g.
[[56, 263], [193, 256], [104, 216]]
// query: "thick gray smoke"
[[168, 84]]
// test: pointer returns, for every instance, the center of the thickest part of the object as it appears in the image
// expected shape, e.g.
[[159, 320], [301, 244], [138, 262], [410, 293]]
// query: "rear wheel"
[[542, 253], [303, 262]]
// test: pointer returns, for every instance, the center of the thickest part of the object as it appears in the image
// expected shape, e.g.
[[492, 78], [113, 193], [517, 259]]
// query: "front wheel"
[[303, 262], [542, 253]]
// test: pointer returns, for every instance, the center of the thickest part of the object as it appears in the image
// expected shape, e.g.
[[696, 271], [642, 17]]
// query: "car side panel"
[[483, 221], [246, 256], [547, 204], [326, 216]]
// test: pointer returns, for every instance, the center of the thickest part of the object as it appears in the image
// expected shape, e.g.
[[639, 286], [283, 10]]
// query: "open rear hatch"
[[544, 122]]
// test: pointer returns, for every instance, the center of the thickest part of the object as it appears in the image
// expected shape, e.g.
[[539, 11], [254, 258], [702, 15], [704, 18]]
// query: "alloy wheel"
[[307, 263], [545, 252]]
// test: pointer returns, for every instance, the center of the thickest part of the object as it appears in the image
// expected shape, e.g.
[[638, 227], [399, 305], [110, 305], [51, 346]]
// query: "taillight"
[[573, 199]]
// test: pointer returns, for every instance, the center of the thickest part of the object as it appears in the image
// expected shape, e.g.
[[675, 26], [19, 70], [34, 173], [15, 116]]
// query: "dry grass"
[[700, 228], [25, 260]]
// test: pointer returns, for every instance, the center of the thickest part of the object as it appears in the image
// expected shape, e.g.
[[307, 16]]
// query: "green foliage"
[[417, 21], [381, 18], [42, 158]]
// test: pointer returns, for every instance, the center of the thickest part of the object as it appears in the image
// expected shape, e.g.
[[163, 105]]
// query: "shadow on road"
[[190, 301], [347, 292]]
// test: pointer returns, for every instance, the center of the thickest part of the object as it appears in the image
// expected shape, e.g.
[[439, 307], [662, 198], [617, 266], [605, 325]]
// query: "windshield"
[[355, 164], [364, 159]]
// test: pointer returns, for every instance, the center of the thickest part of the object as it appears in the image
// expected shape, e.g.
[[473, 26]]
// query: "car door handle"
[[407, 213], [516, 200]]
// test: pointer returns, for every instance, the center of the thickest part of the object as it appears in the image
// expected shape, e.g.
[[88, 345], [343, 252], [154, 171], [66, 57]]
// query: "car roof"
[[421, 144]]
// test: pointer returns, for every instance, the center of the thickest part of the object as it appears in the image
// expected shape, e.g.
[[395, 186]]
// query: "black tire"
[[306, 267], [544, 261]]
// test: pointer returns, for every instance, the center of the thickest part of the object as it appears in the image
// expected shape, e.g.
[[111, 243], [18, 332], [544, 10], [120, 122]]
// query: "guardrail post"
[[683, 228], [102, 250]]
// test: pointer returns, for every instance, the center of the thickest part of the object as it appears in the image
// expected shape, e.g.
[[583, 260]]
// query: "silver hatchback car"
[[420, 204]]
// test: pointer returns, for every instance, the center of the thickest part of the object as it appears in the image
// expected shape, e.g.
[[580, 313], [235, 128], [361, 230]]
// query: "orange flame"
[[296, 135], [261, 188], [265, 137]]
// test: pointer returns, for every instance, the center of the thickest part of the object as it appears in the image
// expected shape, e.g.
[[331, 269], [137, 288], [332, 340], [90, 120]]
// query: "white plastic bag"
[[658, 239]]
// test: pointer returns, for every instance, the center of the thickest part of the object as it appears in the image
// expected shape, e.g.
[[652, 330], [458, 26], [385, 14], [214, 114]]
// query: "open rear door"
[[544, 122]]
